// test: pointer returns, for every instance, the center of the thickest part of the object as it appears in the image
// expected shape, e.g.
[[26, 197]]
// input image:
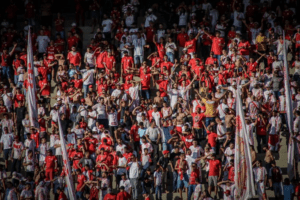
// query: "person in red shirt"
[[160, 47], [44, 89], [59, 44], [81, 179], [72, 40], [110, 195], [214, 173], [211, 136], [19, 97], [74, 57], [109, 62], [190, 45], [5, 62], [252, 65], [162, 85], [166, 65], [217, 44], [182, 37], [59, 25], [150, 33], [126, 62], [123, 195], [61, 194], [193, 180], [244, 48], [50, 166]]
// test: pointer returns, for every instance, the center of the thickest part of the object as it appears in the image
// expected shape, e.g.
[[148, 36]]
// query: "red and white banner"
[[67, 168], [243, 177], [31, 94], [289, 113]]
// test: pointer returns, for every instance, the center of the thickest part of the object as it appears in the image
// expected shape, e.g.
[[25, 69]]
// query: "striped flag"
[[31, 94], [67, 168], [289, 113], [243, 175]]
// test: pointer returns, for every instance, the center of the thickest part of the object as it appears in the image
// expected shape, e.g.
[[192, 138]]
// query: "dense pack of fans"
[[149, 106]]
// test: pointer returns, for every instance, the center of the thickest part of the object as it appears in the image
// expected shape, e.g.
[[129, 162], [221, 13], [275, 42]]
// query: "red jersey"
[[245, 48], [46, 90], [80, 180], [110, 62], [51, 51], [110, 197], [127, 61], [192, 48], [217, 45], [50, 162], [161, 50], [149, 34], [72, 41], [145, 81], [74, 58], [42, 124], [162, 84], [182, 38], [194, 177], [100, 59], [19, 97], [59, 24], [197, 118], [211, 136], [214, 166]]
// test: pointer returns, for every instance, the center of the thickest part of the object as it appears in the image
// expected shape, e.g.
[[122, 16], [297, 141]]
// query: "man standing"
[[6, 142], [133, 176]]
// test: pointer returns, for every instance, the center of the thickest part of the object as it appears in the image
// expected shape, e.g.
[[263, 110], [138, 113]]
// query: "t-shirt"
[[158, 176], [7, 140], [134, 169], [50, 162], [90, 74], [107, 23], [42, 41], [214, 166], [211, 136]]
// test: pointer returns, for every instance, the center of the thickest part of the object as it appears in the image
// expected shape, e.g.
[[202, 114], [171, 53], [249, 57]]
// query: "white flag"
[[243, 175], [31, 94], [289, 113], [67, 168]]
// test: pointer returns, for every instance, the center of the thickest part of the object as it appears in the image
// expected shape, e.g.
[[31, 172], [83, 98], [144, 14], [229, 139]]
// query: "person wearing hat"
[[150, 18]]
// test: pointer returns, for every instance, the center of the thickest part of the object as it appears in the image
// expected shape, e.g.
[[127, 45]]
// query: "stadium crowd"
[[149, 106]]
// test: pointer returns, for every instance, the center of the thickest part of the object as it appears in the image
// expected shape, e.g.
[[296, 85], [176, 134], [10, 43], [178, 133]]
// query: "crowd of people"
[[149, 107]]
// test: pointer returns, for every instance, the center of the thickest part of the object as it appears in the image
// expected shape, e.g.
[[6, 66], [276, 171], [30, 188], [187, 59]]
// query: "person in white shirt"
[[92, 117], [260, 178], [238, 16], [89, 57], [16, 154], [125, 183], [134, 167], [107, 25], [157, 183], [150, 17], [214, 15], [279, 44], [88, 78], [42, 41], [6, 142], [139, 44], [183, 16], [170, 49], [129, 20]]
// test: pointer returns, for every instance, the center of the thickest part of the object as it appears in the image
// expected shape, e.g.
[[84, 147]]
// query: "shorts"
[[212, 181], [53, 122], [46, 100], [138, 59], [184, 182], [7, 153], [49, 173], [229, 129]]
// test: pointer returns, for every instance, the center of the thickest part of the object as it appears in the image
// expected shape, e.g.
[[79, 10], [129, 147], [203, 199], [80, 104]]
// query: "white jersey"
[[43, 148], [275, 125], [196, 151], [113, 119]]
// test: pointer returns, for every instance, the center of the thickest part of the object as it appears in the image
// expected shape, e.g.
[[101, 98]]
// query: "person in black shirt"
[[163, 163], [148, 181], [19, 116], [173, 158]]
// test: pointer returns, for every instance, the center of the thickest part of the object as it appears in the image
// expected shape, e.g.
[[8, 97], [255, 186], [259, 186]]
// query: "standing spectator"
[[6, 143], [158, 183], [134, 167], [42, 41]]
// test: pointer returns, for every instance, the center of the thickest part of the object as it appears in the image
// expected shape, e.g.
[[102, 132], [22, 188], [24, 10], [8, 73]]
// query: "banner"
[[67, 168], [31, 92], [243, 175], [289, 113]]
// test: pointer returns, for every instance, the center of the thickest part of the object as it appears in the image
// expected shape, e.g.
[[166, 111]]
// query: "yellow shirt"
[[210, 107]]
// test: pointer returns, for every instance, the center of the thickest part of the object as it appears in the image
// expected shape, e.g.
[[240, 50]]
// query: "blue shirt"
[[141, 132], [288, 190]]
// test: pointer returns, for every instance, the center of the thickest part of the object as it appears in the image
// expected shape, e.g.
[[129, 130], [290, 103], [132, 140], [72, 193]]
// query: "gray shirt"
[[152, 133], [276, 83]]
